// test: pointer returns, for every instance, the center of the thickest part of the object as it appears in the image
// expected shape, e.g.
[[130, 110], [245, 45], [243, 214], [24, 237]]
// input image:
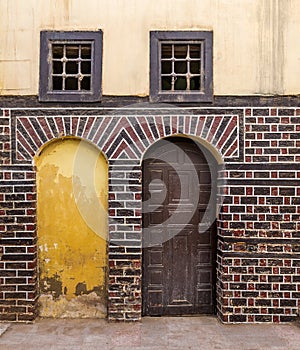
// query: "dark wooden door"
[[179, 254]]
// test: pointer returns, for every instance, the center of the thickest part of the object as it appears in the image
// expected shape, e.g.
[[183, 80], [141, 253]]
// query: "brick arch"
[[131, 136], [126, 137], [33, 132]]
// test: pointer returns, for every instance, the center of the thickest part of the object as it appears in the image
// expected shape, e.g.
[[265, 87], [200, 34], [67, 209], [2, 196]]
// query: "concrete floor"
[[203, 333]]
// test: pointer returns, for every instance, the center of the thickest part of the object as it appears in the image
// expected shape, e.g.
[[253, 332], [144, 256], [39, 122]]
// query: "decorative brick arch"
[[126, 137]]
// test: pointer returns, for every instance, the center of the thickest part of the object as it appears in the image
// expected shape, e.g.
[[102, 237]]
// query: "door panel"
[[178, 257]]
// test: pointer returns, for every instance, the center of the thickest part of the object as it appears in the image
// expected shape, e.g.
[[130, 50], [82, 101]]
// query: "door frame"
[[213, 153]]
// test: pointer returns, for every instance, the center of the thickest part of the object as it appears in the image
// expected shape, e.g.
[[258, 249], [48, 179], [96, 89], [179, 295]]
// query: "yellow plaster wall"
[[71, 182], [255, 41]]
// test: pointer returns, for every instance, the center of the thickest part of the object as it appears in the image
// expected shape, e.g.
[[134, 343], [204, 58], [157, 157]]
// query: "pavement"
[[153, 333]]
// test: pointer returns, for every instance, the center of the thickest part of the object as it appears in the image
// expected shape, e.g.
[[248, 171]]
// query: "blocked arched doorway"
[[72, 187], [179, 228]]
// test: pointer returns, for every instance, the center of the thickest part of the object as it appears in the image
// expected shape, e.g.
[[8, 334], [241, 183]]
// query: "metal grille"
[[182, 66], [71, 66]]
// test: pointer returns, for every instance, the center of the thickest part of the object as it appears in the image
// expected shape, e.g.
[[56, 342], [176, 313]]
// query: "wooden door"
[[179, 254]]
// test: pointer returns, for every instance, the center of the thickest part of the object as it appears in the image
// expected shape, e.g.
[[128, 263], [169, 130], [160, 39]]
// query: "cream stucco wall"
[[256, 42]]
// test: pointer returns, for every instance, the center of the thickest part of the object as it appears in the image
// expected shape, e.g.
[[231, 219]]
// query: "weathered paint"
[[72, 180], [254, 41]]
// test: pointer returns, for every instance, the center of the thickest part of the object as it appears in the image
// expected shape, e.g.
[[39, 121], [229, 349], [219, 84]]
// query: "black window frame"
[[47, 38], [159, 95]]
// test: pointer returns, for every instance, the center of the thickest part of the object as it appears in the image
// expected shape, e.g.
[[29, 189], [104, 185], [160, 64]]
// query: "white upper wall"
[[256, 42]]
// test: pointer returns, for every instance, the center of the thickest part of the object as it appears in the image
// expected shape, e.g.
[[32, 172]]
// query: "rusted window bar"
[[80, 75], [185, 70]]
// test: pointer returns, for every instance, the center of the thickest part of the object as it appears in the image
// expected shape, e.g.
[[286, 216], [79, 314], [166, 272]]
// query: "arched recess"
[[179, 227], [72, 191]]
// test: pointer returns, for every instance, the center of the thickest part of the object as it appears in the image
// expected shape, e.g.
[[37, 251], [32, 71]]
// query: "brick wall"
[[258, 256], [125, 249], [18, 274], [259, 237]]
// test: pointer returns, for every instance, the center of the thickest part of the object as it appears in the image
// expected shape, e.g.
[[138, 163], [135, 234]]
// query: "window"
[[70, 66], [180, 66]]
